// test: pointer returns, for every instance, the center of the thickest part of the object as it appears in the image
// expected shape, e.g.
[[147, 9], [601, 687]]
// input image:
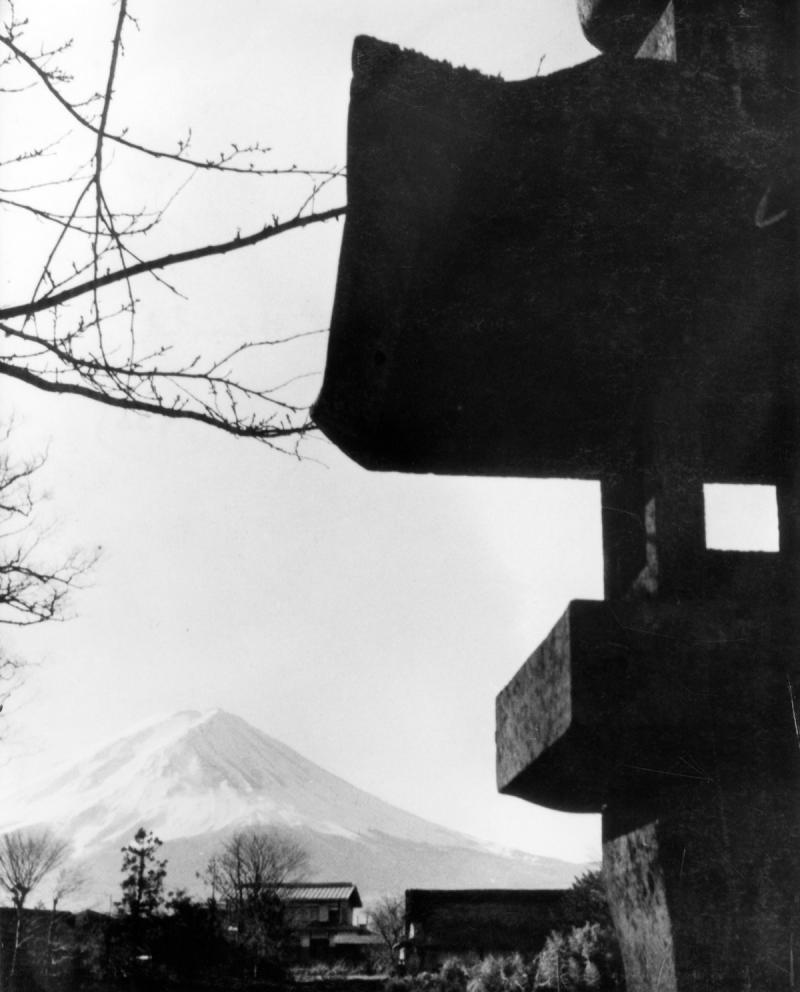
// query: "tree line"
[[154, 936], [241, 932]]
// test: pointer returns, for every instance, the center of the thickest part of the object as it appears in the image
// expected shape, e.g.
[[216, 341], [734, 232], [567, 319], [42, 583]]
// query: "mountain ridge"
[[195, 777]]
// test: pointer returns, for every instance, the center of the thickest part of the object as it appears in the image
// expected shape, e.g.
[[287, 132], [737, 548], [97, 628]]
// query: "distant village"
[[261, 924]]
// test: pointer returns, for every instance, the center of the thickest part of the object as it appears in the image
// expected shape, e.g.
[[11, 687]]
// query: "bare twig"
[[263, 429], [222, 163], [95, 247], [177, 258]]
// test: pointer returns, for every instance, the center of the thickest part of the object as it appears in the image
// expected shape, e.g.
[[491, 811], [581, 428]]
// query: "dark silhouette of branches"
[[34, 582], [77, 331], [51, 300], [248, 874], [32, 590], [252, 863], [26, 857], [70, 880], [387, 917]]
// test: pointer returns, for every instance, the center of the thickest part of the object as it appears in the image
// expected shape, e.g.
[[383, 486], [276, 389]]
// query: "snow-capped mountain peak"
[[192, 777]]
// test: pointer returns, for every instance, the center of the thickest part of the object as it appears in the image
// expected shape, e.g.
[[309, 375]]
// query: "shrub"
[[506, 974], [586, 957], [454, 975]]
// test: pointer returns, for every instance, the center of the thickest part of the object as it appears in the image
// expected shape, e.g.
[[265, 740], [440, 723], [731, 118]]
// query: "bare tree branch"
[[221, 164], [32, 591], [77, 333], [387, 918], [26, 857], [177, 258]]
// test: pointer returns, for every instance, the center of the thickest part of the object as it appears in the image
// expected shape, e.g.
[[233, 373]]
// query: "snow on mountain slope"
[[197, 773], [194, 777]]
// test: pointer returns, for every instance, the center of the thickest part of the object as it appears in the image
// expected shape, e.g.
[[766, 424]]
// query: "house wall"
[[338, 912], [443, 923], [324, 931]]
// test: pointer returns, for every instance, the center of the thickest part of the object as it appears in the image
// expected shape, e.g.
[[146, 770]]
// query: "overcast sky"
[[366, 620]]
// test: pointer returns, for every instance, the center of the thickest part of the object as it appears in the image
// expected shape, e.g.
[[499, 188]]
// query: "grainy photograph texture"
[[348, 355]]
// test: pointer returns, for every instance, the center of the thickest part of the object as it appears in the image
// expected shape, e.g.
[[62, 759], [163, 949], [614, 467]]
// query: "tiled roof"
[[317, 891]]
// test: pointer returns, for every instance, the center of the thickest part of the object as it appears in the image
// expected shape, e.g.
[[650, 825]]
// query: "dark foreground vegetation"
[[193, 946], [239, 937], [580, 953], [186, 948]]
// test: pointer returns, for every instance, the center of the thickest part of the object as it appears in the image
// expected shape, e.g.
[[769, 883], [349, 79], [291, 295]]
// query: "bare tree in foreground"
[[256, 862], [76, 332], [387, 917], [248, 873], [26, 857], [69, 882]]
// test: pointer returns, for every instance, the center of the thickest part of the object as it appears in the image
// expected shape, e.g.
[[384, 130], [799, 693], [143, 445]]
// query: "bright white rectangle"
[[741, 518]]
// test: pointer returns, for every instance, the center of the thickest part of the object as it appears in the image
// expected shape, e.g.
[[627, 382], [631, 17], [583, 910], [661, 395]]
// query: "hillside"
[[195, 777]]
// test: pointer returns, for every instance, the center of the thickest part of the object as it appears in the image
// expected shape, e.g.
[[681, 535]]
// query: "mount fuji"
[[194, 777]]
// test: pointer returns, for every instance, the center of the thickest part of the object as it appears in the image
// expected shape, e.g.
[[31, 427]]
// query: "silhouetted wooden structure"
[[445, 923], [594, 274]]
